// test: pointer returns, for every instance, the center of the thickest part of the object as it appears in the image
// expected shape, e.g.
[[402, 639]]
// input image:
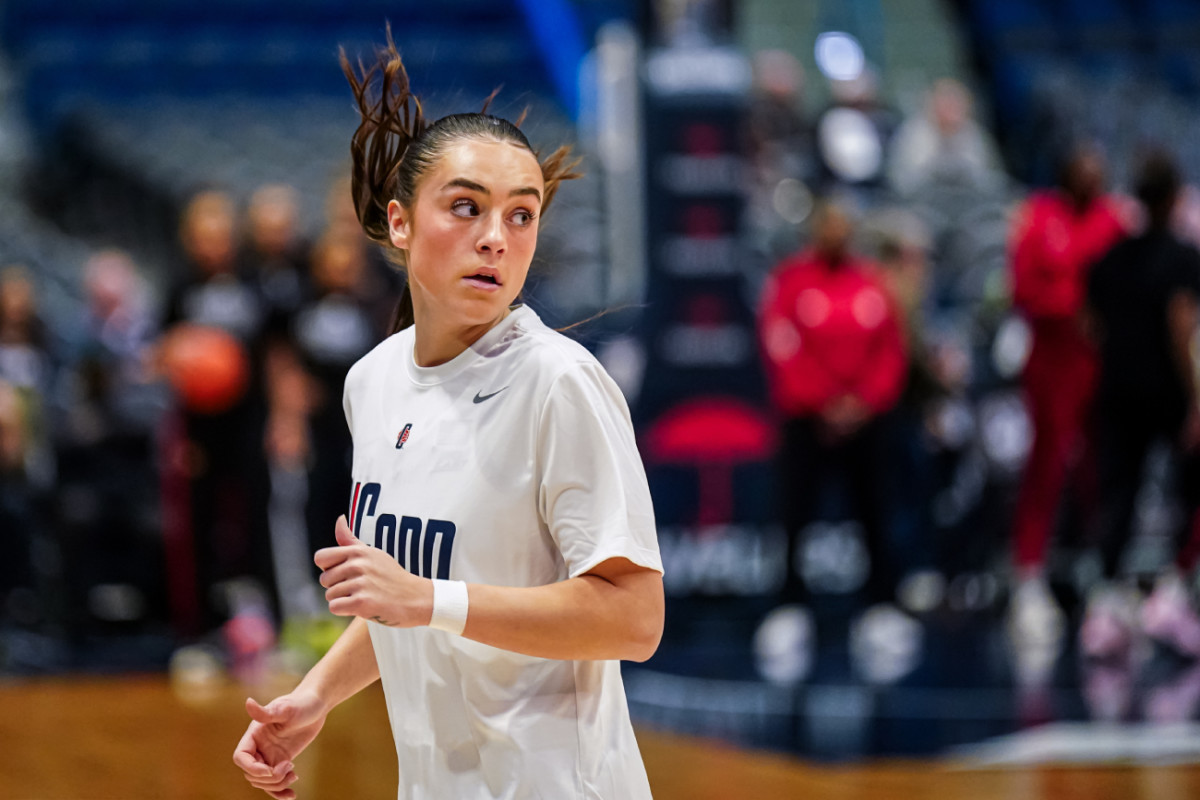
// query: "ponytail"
[[402, 317], [390, 120]]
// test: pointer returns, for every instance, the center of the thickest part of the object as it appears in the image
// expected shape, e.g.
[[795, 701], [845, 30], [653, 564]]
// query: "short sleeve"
[[593, 494], [346, 400]]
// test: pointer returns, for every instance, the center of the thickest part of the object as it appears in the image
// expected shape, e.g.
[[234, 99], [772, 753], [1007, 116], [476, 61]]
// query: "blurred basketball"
[[207, 367]]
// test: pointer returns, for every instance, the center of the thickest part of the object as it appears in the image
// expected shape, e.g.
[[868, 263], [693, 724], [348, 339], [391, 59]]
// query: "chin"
[[479, 313]]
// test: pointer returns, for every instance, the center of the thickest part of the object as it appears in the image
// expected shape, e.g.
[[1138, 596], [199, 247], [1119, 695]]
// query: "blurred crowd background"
[[902, 294]]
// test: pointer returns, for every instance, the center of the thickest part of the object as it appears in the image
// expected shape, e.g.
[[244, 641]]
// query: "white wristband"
[[449, 606]]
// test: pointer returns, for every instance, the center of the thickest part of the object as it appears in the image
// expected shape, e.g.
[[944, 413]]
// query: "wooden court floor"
[[136, 737]]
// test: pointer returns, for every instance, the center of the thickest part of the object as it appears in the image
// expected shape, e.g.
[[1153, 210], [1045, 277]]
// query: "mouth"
[[486, 279]]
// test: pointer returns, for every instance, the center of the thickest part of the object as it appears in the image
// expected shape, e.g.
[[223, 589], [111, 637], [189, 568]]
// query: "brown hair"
[[394, 146]]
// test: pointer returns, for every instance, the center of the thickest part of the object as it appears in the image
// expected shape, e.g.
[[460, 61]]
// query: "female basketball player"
[[500, 552]]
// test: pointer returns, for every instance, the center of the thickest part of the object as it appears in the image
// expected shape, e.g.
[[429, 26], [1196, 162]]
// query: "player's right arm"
[[280, 730]]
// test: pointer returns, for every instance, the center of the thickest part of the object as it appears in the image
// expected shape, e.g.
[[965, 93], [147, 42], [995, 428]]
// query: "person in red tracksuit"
[[1058, 235], [836, 360]]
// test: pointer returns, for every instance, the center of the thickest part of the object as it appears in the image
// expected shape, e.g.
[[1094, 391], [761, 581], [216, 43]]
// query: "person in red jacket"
[[835, 358], [1058, 235]]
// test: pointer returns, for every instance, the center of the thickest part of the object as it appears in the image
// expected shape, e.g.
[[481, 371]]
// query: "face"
[[210, 242], [471, 232], [338, 264], [832, 232], [273, 220], [951, 108], [16, 298], [1085, 175]]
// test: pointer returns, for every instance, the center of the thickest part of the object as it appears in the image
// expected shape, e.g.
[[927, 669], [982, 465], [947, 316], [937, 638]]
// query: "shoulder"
[[563, 369], [1042, 203], [797, 263], [792, 271], [867, 269], [377, 359], [544, 350]]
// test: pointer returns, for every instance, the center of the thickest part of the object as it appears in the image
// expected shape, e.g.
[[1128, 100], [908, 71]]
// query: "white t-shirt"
[[514, 464]]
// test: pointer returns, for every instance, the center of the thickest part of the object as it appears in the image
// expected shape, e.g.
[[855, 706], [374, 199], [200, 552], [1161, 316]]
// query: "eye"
[[464, 208], [522, 217]]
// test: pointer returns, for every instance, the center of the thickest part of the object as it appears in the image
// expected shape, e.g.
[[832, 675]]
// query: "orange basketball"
[[207, 367]]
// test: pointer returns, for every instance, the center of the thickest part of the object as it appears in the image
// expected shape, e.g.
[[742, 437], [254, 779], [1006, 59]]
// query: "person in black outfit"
[[211, 502], [1143, 297]]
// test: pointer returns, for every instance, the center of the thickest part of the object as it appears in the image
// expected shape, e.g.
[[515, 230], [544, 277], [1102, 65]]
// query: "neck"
[[1081, 202], [834, 260], [438, 342]]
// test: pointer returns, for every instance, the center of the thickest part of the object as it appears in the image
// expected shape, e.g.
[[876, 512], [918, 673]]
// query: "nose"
[[491, 235]]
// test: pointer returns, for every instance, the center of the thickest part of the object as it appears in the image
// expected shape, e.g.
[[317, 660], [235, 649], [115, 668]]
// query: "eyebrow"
[[471, 185]]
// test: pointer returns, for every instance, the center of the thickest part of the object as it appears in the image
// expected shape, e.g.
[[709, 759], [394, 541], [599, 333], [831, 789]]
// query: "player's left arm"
[[613, 611]]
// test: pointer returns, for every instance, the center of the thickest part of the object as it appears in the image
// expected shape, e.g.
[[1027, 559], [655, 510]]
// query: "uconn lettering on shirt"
[[423, 547]]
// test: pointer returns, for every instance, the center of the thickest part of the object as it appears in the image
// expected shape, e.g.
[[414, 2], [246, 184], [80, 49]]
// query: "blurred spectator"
[[781, 157], [111, 390], [111, 405], [216, 503], [211, 292], [1144, 296], [14, 500], [943, 143], [26, 364], [274, 256], [780, 136], [331, 332], [26, 466], [835, 359], [12, 433], [1058, 235], [307, 441], [903, 245], [381, 282]]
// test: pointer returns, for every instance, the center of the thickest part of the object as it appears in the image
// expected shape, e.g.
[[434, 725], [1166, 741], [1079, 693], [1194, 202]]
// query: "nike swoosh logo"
[[479, 398]]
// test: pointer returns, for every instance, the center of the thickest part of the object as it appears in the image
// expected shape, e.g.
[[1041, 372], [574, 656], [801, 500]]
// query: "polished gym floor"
[[140, 737]]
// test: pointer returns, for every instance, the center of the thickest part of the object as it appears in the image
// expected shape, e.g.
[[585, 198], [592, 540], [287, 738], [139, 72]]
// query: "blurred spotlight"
[[885, 644], [783, 645], [792, 200], [116, 602], [952, 423], [1036, 630], [922, 591], [197, 673], [625, 360], [850, 144], [972, 591], [839, 56], [1007, 431], [1010, 349], [833, 558]]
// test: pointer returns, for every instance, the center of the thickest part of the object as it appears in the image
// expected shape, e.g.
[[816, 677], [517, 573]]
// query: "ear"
[[399, 224]]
